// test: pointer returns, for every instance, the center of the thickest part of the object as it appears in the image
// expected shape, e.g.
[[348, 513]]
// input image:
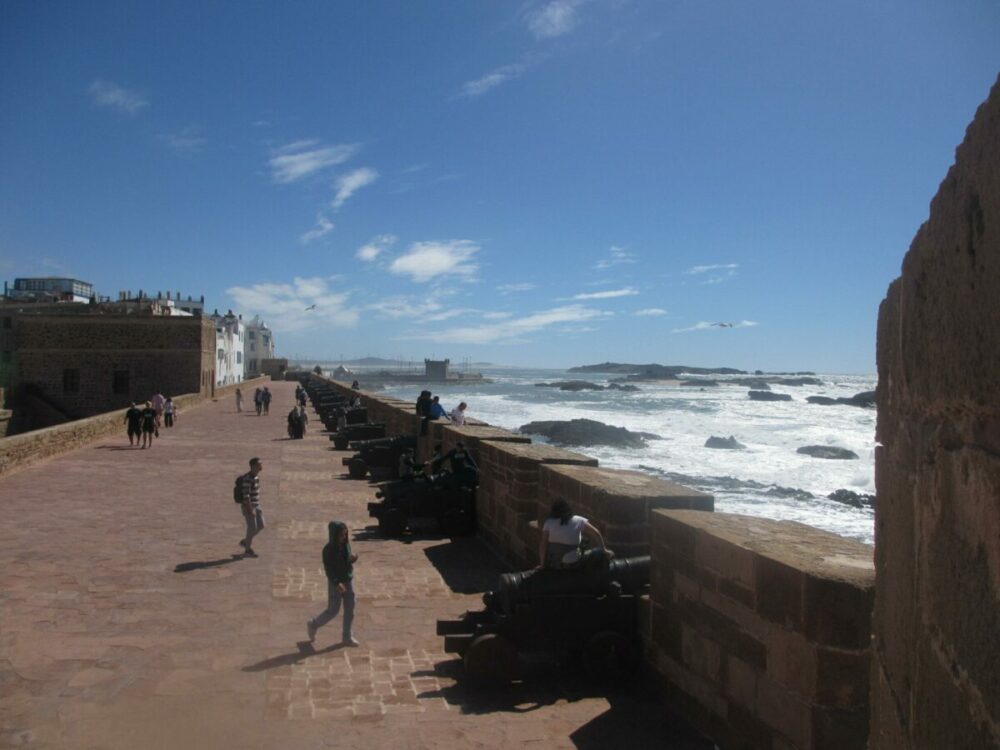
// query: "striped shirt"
[[251, 489]]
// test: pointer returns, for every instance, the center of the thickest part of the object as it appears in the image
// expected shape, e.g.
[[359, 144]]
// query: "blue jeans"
[[334, 599]]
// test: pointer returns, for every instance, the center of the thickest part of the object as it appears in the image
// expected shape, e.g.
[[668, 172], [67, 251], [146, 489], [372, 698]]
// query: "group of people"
[[261, 400], [429, 408], [143, 424]]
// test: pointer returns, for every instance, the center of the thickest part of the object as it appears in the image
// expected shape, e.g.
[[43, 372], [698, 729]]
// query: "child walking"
[[338, 562]]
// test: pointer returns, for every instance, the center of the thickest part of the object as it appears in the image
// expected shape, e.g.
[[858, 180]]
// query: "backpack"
[[238, 490]]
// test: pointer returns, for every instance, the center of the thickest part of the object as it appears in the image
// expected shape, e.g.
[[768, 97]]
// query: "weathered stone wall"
[[27, 448], [760, 629], [936, 665], [173, 355]]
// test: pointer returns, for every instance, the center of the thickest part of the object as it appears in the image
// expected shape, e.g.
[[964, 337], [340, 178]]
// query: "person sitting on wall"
[[560, 546], [457, 415], [355, 386], [437, 411], [424, 410], [461, 465]]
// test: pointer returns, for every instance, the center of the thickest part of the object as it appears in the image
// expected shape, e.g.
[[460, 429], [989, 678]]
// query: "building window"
[[253, 346], [252, 335], [71, 381], [239, 358], [119, 383]]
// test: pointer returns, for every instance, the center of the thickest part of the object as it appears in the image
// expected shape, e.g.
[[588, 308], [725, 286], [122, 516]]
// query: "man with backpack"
[[246, 492]]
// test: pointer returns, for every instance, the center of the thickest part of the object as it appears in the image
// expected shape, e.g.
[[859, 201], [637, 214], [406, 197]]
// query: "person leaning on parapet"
[[258, 400], [265, 400], [133, 418], [457, 415], [437, 411], [562, 536], [239, 400], [424, 410], [338, 564], [148, 425], [459, 460], [250, 507]]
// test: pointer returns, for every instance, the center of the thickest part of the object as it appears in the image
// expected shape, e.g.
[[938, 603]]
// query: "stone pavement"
[[128, 618]]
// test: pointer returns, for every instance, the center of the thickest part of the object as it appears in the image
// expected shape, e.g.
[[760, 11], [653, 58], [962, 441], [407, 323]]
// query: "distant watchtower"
[[436, 369]]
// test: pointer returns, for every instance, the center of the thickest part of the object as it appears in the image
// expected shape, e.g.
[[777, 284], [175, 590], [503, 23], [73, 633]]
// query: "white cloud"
[[425, 261], [285, 305], [405, 307], [449, 314], [554, 18], [618, 255], [610, 294], [509, 288], [376, 247], [720, 272], [704, 325], [651, 312], [300, 159], [323, 227], [508, 331], [351, 182], [497, 315], [491, 80], [187, 141], [113, 96]]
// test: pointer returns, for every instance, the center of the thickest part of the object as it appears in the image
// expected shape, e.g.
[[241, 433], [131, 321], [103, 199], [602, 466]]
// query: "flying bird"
[[311, 307]]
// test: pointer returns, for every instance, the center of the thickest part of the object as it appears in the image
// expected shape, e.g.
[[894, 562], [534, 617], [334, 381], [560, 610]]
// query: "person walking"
[[148, 425], [133, 418], [265, 399], [158, 402], [169, 412], [252, 514], [239, 401], [338, 563], [258, 400]]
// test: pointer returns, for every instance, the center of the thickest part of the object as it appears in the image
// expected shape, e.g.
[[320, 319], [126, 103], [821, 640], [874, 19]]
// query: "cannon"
[[582, 615], [370, 431], [379, 453], [448, 498]]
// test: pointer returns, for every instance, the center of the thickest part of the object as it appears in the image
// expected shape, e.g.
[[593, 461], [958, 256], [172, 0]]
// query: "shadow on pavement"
[[637, 719], [466, 565], [203, 564], [115, 447], [305, 650]]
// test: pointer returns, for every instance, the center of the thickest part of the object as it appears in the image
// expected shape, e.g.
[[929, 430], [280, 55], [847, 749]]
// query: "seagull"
[[311, 307], [723, 325]]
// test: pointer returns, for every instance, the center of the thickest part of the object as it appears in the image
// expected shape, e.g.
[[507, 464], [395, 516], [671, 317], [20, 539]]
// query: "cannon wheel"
[[491, 659], [456, 522], [392, 522], [357, 468], [610, 656], [340, 443]]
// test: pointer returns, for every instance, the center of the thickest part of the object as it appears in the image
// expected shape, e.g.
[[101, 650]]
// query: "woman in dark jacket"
[[338, 562]]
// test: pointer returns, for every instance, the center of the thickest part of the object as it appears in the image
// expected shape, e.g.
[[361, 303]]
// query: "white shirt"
[[457, 416], [570, 532]]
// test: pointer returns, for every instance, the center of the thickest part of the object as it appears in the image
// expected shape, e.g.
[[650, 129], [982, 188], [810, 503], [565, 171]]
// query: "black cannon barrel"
[[626, 576]]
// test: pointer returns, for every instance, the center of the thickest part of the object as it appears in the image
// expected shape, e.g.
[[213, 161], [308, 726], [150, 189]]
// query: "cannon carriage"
[[582, 615], [378, 456], [449, 498], [355, 432]]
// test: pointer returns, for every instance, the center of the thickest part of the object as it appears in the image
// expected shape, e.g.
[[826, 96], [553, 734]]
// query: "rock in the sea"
[[768, 396], [620, 387], [587, 432], [864, 399], [729, 443], [702, 383], [801, 381], [572, 385], [854, 499], [827, 451]]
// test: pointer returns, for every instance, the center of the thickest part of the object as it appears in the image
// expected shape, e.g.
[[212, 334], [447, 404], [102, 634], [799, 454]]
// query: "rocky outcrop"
[[854, 499], [587, 432], [620, 387], [827, 451], [729, 443], [706, 383], [865, 399], [768, 396], [572, 385]]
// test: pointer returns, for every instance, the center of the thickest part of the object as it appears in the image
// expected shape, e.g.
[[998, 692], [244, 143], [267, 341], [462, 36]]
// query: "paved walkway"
[[129, 620]]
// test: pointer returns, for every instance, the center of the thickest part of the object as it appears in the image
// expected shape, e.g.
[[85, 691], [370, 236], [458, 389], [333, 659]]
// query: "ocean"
[[768, 478]]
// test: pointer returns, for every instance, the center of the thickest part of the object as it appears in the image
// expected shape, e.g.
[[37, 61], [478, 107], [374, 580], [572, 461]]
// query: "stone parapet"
[[759, 629], [18, 451], [617, 502]]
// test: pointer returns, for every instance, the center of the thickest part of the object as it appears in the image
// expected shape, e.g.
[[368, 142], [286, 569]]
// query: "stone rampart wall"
[[758, 630], [936, 653], [27, 448]]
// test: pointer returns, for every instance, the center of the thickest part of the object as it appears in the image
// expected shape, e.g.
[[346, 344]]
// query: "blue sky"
[[551, 182]]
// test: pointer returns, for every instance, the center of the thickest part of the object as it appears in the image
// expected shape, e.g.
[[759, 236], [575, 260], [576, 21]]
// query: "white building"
[[230, 338], [259, 345]]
